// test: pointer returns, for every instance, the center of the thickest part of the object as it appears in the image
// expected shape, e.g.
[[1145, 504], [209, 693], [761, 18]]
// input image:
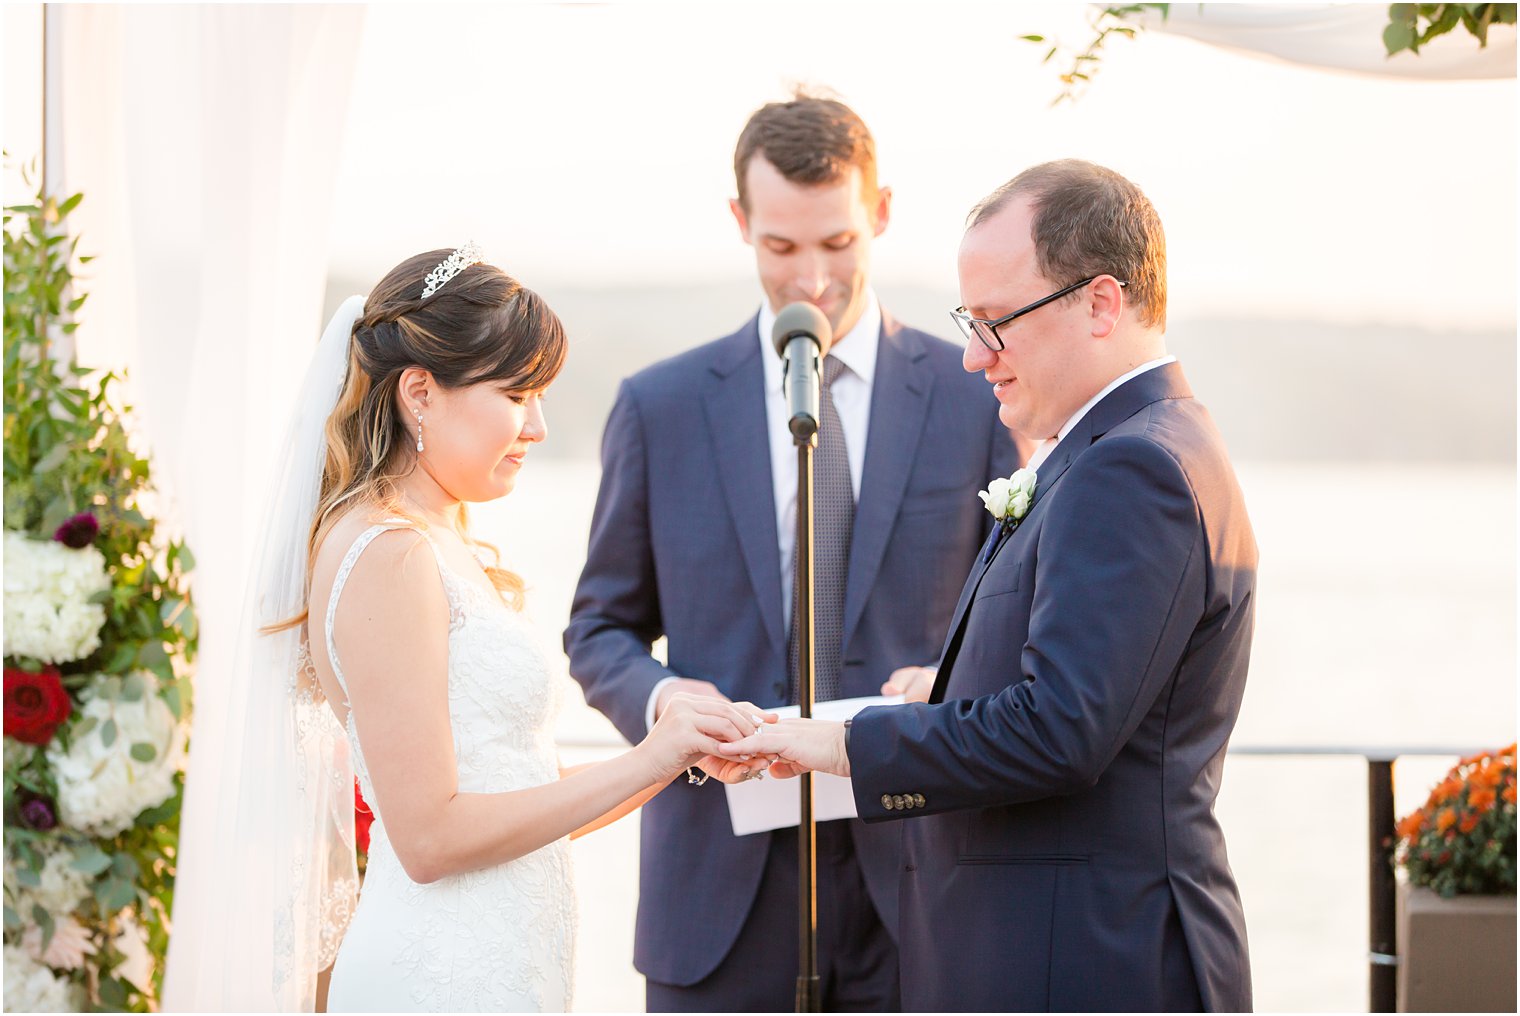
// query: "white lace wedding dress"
[[499, 939]]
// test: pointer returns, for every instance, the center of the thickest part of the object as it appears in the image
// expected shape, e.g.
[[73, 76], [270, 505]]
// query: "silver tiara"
[[451, 266]]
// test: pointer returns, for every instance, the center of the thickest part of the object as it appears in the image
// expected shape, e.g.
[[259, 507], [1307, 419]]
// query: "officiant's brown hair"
[[481, 325], [810, 139]]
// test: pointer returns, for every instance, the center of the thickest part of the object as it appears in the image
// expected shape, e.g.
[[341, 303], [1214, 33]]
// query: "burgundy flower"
[[37, 812], [79, 531], [35, 704]]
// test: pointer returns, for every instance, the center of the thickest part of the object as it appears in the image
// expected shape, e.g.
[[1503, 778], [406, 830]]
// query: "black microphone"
[[802, 337]]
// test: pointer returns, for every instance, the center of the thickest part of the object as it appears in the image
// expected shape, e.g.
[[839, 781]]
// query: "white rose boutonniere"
[[1009, 499]]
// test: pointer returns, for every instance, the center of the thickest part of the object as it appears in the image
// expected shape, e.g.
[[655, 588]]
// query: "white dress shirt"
[[856, 349], [1049, 444]]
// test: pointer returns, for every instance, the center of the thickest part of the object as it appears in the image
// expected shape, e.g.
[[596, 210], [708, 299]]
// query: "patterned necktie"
[[833, 519]]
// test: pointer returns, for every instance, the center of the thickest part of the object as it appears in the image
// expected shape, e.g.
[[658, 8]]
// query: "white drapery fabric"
[[1345, 37], [206, 139]]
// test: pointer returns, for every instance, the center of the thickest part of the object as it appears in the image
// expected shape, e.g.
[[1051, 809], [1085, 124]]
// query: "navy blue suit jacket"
[[684, 545], [1065, 855]]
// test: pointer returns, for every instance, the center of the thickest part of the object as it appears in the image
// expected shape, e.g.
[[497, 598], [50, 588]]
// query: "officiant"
[[693, 539]]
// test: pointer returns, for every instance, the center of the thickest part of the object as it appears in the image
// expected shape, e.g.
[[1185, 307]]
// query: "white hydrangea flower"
[[32, 987], [101, 787], [48, 586], [63, 888]]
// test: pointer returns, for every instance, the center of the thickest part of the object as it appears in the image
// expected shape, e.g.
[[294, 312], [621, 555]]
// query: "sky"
[[591, 145]]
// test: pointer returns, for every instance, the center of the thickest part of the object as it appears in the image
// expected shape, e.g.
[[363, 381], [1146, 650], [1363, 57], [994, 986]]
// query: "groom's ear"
[[1105, 305]]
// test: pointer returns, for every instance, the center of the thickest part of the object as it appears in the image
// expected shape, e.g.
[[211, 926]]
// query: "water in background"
[[1386, 614]]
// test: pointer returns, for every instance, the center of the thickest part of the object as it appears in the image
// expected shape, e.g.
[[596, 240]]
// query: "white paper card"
[[757, 806]]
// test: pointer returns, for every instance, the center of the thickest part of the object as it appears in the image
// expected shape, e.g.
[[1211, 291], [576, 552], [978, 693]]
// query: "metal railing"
[[1382, 947]]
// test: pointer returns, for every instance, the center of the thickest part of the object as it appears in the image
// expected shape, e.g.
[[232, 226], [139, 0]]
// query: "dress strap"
[[349, 560]]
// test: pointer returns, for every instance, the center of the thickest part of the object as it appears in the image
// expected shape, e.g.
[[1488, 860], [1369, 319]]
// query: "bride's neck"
[[422, 494]]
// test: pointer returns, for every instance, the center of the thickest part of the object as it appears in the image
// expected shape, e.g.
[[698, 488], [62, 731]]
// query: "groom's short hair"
[[810, 139], [1089, 220]]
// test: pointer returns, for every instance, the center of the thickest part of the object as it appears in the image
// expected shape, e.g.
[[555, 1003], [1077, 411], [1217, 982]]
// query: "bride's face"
[[476, 438]]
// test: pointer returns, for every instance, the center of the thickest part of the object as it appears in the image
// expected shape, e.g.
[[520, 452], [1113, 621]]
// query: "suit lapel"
[[899, 404], [1165, 382], [734, 402]]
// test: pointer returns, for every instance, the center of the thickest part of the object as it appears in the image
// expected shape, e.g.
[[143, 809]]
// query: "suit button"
[[898, 802], [886, 801], [918, 800]]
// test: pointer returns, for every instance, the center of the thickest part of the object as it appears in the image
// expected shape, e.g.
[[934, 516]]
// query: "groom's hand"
[[797, 745]]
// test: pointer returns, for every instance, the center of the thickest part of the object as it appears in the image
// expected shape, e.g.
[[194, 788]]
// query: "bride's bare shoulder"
[[336, 542]]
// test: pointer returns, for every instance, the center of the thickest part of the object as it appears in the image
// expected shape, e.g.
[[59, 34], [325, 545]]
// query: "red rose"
[[35, 704], [363, 819]]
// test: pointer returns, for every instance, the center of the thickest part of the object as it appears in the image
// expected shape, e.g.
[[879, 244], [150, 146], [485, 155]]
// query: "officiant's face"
[[812, 241], [477, 437], [1039, 375]]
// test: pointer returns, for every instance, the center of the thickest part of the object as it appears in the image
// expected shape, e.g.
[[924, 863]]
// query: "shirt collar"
[[1043, 451], [857, 349]]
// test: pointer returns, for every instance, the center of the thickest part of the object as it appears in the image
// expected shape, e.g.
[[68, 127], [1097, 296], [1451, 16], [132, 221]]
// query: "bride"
[[392, 647]]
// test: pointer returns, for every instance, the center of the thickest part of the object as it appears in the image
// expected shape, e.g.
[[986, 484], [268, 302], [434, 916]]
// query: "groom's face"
[[1038, 376]]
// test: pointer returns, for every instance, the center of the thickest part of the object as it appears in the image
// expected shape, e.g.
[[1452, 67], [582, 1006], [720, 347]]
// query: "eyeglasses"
[[986, 330]]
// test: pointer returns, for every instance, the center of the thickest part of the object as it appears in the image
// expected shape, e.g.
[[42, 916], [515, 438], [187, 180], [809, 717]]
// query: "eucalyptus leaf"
[[90, 859], [144, 752], [108, 733], [122, 659], [28, 878], [56, 457], [124, 866], [133, 687], [113, 994], [12, 919], [173, 700], [151, 652], [85, 726], [43, 920], [114, 893]]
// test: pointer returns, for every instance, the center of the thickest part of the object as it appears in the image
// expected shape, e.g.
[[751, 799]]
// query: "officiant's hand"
[[693, 727], [686, 686], [798, 747], [913, 683]]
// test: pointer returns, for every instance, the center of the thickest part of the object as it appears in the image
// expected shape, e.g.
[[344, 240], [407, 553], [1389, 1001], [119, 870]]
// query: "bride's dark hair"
[[481, 325]]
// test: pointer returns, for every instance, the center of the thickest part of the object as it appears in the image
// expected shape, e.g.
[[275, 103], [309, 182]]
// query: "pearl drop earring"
[[419, 431]]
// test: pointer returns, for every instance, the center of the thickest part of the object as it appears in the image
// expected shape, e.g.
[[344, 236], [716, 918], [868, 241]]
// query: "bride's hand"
[[691, 727]]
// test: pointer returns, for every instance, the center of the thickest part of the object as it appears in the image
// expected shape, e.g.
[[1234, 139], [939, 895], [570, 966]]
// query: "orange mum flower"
[[1445, 820], [1410, 825], [1481, 798], [1509, 793], [1469, 822]]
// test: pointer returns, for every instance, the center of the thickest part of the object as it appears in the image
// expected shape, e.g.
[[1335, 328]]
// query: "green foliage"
[[1405, 21], [67, 451], [1107, 21], [1463, 839]]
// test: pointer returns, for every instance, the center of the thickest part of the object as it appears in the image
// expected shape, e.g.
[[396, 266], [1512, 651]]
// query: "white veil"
[[266, 880]]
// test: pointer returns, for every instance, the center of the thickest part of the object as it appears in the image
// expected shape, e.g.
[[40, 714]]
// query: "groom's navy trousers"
[[684, 545], [1060, 846]]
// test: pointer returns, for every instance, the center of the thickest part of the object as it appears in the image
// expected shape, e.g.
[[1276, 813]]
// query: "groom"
[[1062, 851]]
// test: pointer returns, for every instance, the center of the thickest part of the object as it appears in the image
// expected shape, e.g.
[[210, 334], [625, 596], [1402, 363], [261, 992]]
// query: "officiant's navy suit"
[[1060, 846], [684, 544]]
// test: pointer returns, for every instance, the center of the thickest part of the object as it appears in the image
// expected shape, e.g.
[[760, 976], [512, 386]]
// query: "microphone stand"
[[805, 437]]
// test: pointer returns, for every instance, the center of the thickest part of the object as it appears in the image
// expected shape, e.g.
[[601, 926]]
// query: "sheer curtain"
[[206, 140], [1344, 37]]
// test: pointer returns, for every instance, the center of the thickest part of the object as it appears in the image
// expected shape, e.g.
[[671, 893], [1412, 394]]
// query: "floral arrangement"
[[99, 635], [1463, 839]]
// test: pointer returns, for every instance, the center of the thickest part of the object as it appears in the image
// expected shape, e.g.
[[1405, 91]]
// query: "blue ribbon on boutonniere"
[[1009, 500]]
